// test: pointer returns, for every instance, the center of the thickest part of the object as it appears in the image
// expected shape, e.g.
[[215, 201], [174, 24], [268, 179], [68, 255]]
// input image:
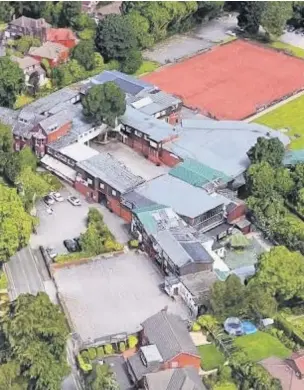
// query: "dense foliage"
[[11, 82], [270, 150]]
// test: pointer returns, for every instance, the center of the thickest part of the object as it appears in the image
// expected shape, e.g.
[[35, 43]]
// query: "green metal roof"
[[294, 157], [145, 215], [196, 173]]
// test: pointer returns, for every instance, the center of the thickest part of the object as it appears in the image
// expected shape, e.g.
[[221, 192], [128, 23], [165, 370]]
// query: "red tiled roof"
[[59, 34], [298, 358]]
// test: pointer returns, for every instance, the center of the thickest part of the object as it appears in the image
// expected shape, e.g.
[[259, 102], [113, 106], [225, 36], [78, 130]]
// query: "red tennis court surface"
[[232, 81]]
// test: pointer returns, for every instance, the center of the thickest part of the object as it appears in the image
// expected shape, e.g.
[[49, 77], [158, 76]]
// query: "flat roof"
[[78, 151], [58, 167], [233, 80], [199, 283], [99, 295], [111, 171]]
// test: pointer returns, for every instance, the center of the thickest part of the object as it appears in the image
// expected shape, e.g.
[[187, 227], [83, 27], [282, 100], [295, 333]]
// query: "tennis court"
[[233, 80]]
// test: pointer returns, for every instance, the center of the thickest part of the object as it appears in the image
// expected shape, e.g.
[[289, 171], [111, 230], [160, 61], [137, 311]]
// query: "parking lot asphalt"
[[68, 221], [113, 295]]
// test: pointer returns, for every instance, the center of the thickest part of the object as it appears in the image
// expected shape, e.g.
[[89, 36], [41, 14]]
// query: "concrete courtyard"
[[112, 296]]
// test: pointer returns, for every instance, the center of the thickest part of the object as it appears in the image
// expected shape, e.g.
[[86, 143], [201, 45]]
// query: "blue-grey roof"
[[293, 157], [222, 145], [152, 103], [129, 84], [185, 199], [111, 171], [156, 129]]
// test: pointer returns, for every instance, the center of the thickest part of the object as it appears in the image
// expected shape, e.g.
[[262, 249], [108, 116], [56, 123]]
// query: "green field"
[[260, 345], [288, 116], [295, 51], [146, 67], [211, 357]]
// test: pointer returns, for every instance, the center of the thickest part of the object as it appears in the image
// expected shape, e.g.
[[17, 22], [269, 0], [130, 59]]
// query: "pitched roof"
[[298, 360], [152, 103], [54, 122], [185, 378], [50, 50], [111, 171], [24, 21], [59, 34], [25, 62], [169, 333]]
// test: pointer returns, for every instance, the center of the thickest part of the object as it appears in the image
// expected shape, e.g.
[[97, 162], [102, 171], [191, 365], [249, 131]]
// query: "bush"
[[112, 65], [132, 341], [92, 353], [100, 352], [94, 216], [85, 355], [196, 327], [72, 257], [133, 244], [122, 346], [85, 367], [108, 348], [132, 62], [3, 281]]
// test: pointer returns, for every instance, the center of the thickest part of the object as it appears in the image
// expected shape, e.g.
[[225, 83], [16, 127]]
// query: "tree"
[[6, 139], [36, 332], [280, 273], [209, 9], [70, 10], [46, 66], [227, 297], [10, 377], [104, 103], [34, 83], [250, 15], [284, 183], [132, 62], [115, 37], [84, 54], [24, 44], [11, 82], [101, 378], [6, 11], [275, 16], [17, 162], [83, 21], [15, 223], [141, 29], [259, 302], [260, 180], [270, 150]]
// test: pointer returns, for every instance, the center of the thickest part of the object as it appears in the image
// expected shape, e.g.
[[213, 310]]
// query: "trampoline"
[[248, 327], [233, 326]]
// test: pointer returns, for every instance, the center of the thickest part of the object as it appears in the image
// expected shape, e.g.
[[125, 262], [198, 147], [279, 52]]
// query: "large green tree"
[[10, 377], [11, 82], [70, 10], [132, 62], [209, 9], [270, 150], [280, 273], [15, 223], [101, 378], [16, 162], [275, 16], [260, 180], [250, 15], [141, 29], [6, 11], [104, 103], [84, 54], [115, 37], [36, 332]]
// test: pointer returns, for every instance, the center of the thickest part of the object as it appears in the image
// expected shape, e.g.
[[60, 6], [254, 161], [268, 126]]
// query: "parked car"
[[74, 201], [57, 196], [48, 200], [77, 240], [49, 210], [71, 245], [52, 253]]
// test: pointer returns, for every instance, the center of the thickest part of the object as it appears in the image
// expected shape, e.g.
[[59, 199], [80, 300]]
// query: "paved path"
[[274, 107]]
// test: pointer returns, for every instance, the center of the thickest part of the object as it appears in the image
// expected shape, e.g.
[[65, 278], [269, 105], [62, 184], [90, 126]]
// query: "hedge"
[[100, 352], [108, 348], [295, 334], [92, 353], [122, 346], [132, 341], [85, 367]]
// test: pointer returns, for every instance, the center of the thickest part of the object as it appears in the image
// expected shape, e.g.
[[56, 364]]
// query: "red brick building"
[[54, 53], [63, 36], [165, 343]]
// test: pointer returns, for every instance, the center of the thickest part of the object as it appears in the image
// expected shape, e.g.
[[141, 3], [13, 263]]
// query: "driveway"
[[68, 221]]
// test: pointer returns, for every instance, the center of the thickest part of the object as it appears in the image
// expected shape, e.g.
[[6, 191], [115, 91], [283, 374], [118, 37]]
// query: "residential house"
[[165, 343], [27, 26], [185, 378], [296, 362], [29, 66], [285, 371], [54, 53], [103, 178], [63, 36], [114, 7], [89, 6]]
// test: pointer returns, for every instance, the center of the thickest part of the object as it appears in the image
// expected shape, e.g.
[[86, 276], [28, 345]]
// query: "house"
[[165, 343], [89, 7], [105, 179], [296, 361], [27, 26], [114, 7], [29, 66], [63, 36], [286, 373], [193, 288], [54, 53], [185, 378]]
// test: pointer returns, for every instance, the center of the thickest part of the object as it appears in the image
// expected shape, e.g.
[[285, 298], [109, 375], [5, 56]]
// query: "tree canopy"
[[11, 82], [104, 103], [101, 378], [270, 150], [84, 53], [132, 62], [36, 332]]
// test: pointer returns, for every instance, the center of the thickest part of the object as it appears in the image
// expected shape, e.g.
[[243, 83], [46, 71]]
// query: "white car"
[[74, 201], [57, 196], [49, 210]]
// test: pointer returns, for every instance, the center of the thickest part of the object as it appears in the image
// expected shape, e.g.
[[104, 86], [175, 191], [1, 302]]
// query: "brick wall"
[[86, 191], [183, 360], [239, 211], [118, 209], [54, 135], [168, 158]]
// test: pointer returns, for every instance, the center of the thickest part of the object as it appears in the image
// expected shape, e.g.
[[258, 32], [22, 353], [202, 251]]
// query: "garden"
[[211, 357]]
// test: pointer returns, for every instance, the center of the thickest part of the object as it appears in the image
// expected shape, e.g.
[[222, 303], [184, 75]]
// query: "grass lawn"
[[146, 67], [211, 357], [295, 51], [225, 386], [22, 100], [3, 281], [260, 345], [288, 116]]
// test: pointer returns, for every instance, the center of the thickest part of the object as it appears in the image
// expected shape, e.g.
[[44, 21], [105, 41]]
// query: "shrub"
[[85, 367], [100, 352], [132, 341], [92, 353], [196, 327], [108, 348], [94, 216], [3, 281], [113, 65], [122, 346], [133, 244]]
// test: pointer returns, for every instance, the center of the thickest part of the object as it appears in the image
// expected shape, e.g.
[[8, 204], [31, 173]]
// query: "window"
[[114, 193], [90, 181], [138, 133], [101, 185], [174, 365], [153, 144], [17, 147]]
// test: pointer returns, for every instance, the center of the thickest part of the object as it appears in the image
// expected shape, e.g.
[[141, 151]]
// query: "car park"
[[70, 245], [74, 201], [57, 196], [48, 200]]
